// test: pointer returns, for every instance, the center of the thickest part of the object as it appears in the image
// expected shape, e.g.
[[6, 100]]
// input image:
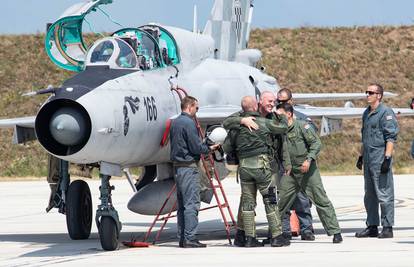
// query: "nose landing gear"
[[107, 219]]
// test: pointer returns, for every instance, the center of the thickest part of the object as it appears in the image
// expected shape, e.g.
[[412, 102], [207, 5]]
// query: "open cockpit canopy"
[[154, 46], [64, 43]]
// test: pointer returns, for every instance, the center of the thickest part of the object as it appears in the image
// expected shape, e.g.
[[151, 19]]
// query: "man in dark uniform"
[[254, 150], [302, 204], [304, 146], [280, 154], [186, 149], [379, 133]]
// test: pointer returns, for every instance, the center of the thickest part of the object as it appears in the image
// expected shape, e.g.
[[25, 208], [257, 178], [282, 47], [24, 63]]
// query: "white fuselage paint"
[[211, 81]]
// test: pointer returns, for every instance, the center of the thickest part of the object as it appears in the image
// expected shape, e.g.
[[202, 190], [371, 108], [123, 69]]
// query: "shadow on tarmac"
[[61, 245]]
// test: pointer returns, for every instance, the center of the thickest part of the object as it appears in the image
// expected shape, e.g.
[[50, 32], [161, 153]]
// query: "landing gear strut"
[[107, 219]]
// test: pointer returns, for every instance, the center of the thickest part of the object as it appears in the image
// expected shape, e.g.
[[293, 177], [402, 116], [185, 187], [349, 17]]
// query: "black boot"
[[193, 244], [280, 241], [370, 231], [240, 238], [252, 242], [337, 238], [386, 232], [287, 235], [308, 236]]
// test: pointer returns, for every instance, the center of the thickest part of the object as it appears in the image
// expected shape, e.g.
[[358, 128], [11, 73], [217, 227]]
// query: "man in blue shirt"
[[186, 150], [379, 133]]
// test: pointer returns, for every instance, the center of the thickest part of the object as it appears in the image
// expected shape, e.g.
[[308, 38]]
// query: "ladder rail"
[[211, 180], [220, 186], [159, 213]]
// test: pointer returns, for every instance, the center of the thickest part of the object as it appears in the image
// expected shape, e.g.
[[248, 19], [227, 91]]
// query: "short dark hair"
[[380, 89], [285, 106], [286, 91], [188, 101]]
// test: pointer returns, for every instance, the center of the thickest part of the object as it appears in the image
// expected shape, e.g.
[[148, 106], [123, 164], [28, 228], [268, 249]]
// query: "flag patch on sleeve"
[[306, 126], [389, 117]]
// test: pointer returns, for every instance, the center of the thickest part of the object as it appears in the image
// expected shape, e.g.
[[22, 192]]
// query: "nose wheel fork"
[[107, 219]]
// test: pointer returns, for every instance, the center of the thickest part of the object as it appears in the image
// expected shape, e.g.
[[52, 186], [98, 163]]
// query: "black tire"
[[79, 210], [108, 233]]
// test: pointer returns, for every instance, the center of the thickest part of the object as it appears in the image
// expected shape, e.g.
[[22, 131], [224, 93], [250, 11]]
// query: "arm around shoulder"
[[232, 122]]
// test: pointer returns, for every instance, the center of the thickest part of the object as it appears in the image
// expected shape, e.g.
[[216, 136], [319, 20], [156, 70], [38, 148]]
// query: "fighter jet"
[[114, 112]]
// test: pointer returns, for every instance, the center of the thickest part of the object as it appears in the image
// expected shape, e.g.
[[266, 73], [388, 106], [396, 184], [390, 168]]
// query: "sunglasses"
[[370, 93]]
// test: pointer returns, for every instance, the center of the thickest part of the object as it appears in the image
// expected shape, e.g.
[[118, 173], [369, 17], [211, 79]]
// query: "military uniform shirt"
[[303, 143], [378, 127]]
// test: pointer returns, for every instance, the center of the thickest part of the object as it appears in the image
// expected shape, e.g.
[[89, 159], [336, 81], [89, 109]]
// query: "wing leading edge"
[[215, 114], [304, 98], [331, 117], [343, 112], [23, 128]]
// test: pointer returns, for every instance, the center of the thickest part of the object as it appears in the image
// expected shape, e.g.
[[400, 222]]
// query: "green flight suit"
[[281, 153], [304, 144], [255, 152], [279, 150]]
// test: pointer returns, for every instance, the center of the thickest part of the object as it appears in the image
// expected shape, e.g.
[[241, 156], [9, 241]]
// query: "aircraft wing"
[[331, 117], [215, 114], [28, 122], [303, 98], [23, 128], [343, 112]]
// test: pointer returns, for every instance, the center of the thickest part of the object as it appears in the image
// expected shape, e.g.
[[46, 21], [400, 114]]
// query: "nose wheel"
[[107, 219], [108, 233], [79, 210]]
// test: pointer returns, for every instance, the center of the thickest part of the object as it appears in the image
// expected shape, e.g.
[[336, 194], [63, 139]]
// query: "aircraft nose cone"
[[67, 126]]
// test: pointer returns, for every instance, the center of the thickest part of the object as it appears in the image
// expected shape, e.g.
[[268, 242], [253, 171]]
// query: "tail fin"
[[229, 25]]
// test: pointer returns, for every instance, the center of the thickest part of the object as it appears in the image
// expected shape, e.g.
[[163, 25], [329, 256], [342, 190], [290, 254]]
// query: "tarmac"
[[31, 237]]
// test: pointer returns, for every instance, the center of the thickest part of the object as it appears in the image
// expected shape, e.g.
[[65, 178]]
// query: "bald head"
[[249, 103]]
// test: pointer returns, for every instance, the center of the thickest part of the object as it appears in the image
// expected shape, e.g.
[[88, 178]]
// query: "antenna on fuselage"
[[195, 24]]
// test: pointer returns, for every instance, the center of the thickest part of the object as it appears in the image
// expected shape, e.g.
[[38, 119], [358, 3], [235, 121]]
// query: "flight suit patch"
[[389, 117], [307, 126], [291, 135]]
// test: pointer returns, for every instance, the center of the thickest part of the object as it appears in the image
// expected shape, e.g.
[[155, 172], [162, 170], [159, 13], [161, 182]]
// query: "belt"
[[192, 164], [256, 162]]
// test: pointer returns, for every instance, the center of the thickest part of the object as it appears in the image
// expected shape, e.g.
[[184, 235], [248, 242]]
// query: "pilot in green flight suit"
[[304, 146], [254, 149], [280, 155]]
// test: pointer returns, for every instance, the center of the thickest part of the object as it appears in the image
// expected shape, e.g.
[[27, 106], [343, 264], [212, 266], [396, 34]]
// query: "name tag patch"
[[389, 117]]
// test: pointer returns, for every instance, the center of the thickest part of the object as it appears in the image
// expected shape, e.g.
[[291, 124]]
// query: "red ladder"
[[215, 183]]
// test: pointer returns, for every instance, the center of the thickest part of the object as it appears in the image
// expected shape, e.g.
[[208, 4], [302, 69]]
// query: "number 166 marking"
[[151, 107]]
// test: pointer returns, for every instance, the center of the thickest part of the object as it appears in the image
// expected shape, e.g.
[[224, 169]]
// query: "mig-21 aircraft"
[[112, 113]]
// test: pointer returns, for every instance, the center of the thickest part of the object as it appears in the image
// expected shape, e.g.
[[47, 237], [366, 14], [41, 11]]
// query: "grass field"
[[304, 60]]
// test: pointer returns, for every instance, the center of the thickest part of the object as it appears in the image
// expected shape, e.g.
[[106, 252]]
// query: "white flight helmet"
[[217, 135]]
